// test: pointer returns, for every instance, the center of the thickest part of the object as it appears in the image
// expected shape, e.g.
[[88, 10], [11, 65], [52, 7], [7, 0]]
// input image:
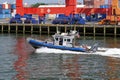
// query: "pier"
[[85, 30]]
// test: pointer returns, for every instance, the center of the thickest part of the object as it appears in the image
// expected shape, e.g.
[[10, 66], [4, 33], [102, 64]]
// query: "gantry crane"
[[70, 8]]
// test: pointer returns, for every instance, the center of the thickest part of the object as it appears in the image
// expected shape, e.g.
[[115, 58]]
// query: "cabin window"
[[65, 40], [68, 40], [56, 39]]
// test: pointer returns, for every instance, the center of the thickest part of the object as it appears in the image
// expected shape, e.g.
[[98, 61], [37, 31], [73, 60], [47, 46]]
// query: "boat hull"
[[37, 44]]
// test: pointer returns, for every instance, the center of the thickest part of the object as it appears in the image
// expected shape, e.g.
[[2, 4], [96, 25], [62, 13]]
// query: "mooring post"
[[75, 27], [23, 29], [31, 29], [57, 28], [65, 28], [115, 31], [104, 30], [16, 27], [8, 28], [40, 29], [84, 30], [2, 28], [94, 30], [48, 30]]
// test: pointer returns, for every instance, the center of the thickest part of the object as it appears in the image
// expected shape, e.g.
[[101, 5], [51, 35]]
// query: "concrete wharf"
[[85, 30]]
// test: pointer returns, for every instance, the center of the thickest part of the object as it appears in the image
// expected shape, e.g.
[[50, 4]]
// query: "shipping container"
[[0, 10], [34, 21], [13, 6], [17, 16], [92, 17], [0, 6], [7, 15], [28, 16], [6, 6], [15, 20], [2, 16], [6, 11], [104, 6]]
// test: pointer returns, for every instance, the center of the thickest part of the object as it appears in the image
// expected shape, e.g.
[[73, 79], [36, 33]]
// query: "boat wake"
[[111, 52]]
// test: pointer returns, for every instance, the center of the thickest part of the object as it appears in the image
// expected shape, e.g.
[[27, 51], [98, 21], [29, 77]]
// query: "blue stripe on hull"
[[38, 44]]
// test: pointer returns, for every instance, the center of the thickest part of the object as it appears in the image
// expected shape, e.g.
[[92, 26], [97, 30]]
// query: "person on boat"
[[85, 46], [61, 41], [45, 41]]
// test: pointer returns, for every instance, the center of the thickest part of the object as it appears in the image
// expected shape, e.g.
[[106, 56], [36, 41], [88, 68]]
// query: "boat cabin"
[[63, 40]]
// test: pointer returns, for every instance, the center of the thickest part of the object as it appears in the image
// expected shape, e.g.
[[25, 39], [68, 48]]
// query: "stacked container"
[[5, 11], [104, 6]]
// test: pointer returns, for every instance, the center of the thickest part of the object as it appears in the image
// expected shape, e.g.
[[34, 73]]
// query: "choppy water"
[[19, 61]]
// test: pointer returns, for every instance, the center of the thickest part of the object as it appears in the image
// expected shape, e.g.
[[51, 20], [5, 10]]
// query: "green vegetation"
[[38, 4]]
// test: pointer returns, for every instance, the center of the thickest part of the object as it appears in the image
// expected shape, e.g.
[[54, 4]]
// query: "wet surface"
[[18, 61]]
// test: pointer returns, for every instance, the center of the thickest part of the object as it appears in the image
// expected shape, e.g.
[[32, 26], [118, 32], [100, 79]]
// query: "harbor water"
[[19, 61]]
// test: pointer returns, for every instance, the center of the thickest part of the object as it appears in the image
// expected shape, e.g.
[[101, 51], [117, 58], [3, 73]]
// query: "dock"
[[85, 30]]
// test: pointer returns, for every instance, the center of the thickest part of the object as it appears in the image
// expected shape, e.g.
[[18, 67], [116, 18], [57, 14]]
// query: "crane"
[[113, 16], [70, 8]]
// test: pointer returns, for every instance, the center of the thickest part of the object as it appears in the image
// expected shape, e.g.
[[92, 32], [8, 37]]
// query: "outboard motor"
[[94, 48]]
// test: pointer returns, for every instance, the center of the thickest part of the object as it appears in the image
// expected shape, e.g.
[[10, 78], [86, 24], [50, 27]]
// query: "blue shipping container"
[[13, 6], [28, 16], [17, 16], [104, 6], [6, 11], [7, 15], [0, 11], [1, 6], [2, 16]]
